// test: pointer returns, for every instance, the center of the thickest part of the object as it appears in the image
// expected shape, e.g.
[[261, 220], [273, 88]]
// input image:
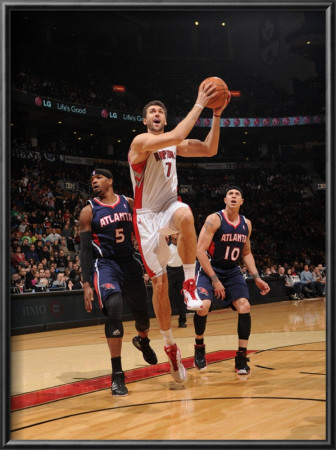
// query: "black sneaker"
[[118, 387], [147, 352], [199, 357], [241, 366]]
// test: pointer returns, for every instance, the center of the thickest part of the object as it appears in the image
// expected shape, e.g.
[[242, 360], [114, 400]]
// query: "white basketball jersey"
[[155, 180]]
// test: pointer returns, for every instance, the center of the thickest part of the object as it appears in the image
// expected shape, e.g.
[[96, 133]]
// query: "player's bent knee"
[[141, 321], [206, 306], [242, 305], [183, 217], [113, 306]]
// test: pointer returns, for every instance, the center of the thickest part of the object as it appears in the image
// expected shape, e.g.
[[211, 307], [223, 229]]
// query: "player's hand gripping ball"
[[223, 94]]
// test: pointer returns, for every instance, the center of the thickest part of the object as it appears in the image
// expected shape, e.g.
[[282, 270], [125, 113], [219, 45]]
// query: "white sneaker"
[[177, 369], [191, 299]]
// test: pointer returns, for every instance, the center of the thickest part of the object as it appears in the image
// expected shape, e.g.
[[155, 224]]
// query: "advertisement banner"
[[94, 112]]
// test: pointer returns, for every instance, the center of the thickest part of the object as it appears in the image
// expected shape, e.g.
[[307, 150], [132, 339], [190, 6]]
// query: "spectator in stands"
[[306, 278], [44, 263], [75, 271], [19, 257], [34, 279], [53, 273], [53, 236], [25, 246], [59, 282], [32, 253], [54, 249], [267, 272], [48, 277], [69, 264], [245, 272], [147, 279], [67, 235], [293, 288], [39, 248], [64, 247], [45, 253], [47, 224], [323, 275], [78, 283], [17, 284], [22, 273], [281, 272], [317, 279], [58, 220], [43, 282], [76, 238]]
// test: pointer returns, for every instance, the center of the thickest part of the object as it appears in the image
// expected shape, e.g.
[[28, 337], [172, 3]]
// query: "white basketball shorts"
[[151, 230]]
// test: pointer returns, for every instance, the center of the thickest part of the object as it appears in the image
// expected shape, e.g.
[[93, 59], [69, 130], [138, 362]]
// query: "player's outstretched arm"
[[208, 147], [151, 142]]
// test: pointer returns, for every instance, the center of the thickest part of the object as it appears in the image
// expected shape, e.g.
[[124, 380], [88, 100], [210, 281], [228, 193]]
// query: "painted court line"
[[64, 391]]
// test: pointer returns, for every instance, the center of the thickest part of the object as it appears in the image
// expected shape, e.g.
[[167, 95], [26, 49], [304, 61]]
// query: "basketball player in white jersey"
[[157, 211]]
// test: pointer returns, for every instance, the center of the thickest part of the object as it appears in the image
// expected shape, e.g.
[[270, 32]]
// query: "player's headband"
[[104, 172], [234, 187]]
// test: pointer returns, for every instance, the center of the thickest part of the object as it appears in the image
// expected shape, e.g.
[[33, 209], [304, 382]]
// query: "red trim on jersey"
[[95, 283], [138, 172], [95, 239], [108, 206], [137, 234], [230, 223], [211, 249]]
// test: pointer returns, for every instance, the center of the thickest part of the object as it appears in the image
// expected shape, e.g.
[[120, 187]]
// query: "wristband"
[[200, 106], [215, 115], [256, 275]]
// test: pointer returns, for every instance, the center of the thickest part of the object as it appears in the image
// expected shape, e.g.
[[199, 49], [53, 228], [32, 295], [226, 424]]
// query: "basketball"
[[222, 92]]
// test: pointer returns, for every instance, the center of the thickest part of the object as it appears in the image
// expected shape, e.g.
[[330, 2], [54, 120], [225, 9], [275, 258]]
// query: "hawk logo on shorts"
[[203, 291], [107, 286]]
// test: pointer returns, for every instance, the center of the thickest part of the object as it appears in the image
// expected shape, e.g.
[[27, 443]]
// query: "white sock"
[[167, 337], [189, 271]]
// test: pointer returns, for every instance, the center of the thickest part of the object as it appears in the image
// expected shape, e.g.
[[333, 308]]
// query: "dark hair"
[[153, 102], [234, 187]]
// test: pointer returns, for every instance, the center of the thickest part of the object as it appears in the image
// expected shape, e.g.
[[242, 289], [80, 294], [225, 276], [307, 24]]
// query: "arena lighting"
[[196, 23], [119, 88]]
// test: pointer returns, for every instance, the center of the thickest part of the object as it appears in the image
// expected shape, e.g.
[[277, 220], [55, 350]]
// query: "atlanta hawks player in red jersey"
[[157, 211]]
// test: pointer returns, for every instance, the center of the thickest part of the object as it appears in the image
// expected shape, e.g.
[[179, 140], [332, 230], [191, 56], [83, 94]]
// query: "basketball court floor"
[[60, 382]]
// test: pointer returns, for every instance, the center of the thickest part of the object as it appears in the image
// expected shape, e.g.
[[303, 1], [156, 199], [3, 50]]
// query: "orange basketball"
[[222, 92]]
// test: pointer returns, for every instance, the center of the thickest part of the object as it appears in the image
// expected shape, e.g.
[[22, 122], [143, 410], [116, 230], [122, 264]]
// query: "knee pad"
[[244, 326], [142, 324], [114, 328], [113, 306]]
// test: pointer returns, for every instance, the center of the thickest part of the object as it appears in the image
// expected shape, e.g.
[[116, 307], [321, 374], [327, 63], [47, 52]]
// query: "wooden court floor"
[[60, 385]]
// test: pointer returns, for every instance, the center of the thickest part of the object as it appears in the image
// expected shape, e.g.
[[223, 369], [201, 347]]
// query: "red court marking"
[[96, 384]]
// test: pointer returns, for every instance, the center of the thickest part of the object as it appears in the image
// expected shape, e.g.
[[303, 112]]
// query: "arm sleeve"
[[85, 255]]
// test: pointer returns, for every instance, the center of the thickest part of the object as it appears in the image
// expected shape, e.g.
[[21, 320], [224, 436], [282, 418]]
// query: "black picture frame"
[[6, 7]]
